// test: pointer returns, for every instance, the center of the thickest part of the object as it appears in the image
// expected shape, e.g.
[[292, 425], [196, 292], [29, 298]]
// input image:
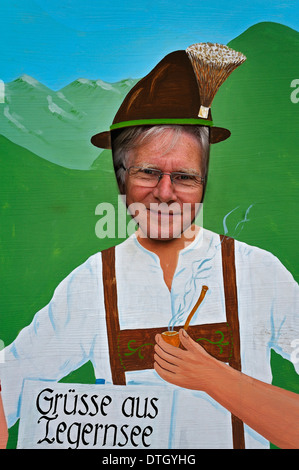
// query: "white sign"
[[75, 416]]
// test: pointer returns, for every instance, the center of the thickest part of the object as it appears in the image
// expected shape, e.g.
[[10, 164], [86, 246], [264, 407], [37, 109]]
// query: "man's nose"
[[164, 191]]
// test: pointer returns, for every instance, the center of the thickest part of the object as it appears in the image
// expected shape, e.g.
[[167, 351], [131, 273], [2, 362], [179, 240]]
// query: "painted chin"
[[162, 222], [163, 225]]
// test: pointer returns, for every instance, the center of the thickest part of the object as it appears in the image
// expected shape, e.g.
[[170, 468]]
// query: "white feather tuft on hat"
[[212, 64]]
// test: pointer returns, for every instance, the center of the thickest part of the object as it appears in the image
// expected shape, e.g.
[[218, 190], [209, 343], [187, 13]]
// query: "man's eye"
[[184, 177], [148, 171]]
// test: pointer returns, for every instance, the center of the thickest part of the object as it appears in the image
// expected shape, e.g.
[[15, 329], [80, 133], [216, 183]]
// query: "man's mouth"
[[163, 213]]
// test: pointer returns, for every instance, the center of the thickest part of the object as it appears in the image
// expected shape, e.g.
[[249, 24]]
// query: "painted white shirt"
[[71, 330]]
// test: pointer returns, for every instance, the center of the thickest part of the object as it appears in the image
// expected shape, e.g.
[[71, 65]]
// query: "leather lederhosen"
[[133, 349]]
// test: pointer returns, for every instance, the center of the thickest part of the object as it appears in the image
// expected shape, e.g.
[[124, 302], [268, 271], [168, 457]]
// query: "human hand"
[[191, 368]]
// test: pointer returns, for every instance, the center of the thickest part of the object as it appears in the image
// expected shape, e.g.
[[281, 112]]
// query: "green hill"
[[257, 167], [57, 126], [47, 228]]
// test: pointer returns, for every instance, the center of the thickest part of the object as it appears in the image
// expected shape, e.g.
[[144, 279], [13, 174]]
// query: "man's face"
[[165, 211]]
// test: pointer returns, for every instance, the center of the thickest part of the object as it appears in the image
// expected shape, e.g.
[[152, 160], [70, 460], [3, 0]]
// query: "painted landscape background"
[[52, 178]]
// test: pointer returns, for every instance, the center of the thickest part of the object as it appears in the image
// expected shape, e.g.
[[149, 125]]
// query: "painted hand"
[[191, 368]]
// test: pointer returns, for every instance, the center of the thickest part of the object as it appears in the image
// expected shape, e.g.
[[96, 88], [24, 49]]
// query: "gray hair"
[[133, 137]]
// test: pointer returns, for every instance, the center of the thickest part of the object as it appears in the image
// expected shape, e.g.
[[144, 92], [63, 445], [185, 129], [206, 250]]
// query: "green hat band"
[[160, 121]]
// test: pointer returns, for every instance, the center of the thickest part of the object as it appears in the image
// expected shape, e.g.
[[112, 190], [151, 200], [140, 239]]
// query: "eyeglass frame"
[[162, 173]]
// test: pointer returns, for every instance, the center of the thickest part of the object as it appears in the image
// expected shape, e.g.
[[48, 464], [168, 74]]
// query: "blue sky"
[[58, 41]]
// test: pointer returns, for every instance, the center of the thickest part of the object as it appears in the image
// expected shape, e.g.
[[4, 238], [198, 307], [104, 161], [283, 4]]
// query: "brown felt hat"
[[178, 90]]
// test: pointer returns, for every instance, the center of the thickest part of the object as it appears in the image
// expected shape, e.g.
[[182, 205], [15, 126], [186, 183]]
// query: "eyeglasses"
[[150, 177]]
